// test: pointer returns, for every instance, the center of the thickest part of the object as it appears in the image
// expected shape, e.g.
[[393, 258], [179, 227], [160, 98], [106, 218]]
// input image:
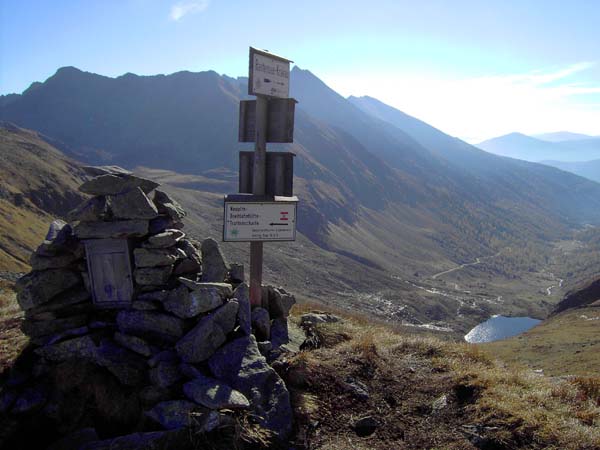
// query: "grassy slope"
[[38, 183], [568, 343]]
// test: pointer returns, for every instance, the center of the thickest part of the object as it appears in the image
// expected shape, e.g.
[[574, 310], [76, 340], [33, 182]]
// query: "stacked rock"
[[187, 341]]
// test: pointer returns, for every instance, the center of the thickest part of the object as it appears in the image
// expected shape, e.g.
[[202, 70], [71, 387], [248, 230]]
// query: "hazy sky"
[[475, 69]]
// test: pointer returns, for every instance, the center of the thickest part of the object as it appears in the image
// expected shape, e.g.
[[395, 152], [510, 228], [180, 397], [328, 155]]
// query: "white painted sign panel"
[[259, 221], [269, 74]]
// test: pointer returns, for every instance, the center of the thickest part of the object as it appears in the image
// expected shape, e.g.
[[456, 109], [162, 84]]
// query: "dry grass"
[[12, 340], [512, 408]]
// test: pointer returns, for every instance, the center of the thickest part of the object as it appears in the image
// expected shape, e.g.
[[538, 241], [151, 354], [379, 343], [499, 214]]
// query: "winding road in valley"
[[478, 260]]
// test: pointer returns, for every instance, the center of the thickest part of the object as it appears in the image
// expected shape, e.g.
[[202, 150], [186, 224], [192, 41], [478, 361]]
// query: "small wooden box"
[[109, 268]]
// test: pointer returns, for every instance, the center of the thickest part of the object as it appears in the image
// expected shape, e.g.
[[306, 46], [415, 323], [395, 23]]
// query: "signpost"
[[270, 118], [247, 221]]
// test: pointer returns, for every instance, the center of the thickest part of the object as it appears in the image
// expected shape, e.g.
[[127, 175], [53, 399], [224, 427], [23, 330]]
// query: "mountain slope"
[[38, 184], [586, 169], [561, 136]]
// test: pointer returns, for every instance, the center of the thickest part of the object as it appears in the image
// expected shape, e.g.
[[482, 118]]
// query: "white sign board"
[[259, 221], [269, 74]]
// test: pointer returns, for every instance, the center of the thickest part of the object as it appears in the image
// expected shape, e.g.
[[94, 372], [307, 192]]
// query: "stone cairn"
[[188, 345]]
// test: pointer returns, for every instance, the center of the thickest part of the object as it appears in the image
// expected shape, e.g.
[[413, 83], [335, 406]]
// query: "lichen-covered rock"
[[151, 324], [186, 304], [37, 288], [261, 323], [114, 229], [208, 335], [113, 184], [213, 394], [94, 209], [152, 276], [240, 364], [166, 205], [166, 239], [133, 204], [242, 295], [155, 257], [214, 266], [174, 414]]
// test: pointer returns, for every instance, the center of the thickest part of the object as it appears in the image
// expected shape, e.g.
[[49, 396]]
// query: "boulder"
[[155, 257], [152, 276], [280, 303], [161, 224], [73, 332], [133, 204], [114, 229], [315, 318], [236, 273], [165, 356], [366, 426], [160, 296], [80, 347], [240, 364], [37, 288], [133, 343], [261, 323], [71, 299], [112, 184], [208, 335], [145, 305], [174, 414], [212, 394], [61, 261], [32, 399], [224, 290], [214, 267], [165, 374], [187, 266], [153, 440], [92, 210], [36, 329], [126, 366], [59, 238], [151, 395], [166, 205], [166, 239], [151, 324], [242, 295], [279, 332], [186, 304]]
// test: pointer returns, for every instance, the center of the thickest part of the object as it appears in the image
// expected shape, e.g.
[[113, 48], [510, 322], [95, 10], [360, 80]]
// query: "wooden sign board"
[[109, 269], [280, 120], [247, 219], [279, 173], [269, 74]]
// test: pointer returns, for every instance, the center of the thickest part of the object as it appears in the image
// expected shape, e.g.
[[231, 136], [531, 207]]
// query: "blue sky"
[[474, 69]]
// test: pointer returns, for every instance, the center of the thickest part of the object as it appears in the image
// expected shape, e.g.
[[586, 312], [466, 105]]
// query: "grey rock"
[[126, 366], [242, 294], [70, 298], [74, 332], [214, 266], [315, 318], [94, 209], [166, 239], [7, 398], [240, 364], [265, 347], [261, 323], [80, 347], [173, 414], [280, 303], [160, 224], [357, 388], [38, 262], [208, 335], [152, 276], [224, 290], [186, 304], [47, 327], [160, 296], [165, 374], [32, 399], [189, 371], [133, 204], [145, 305], [212, 394], [164, 356], [279, 332], [105, 170], [236, 273], [366, 426], [187, 266], [114, 229], [440, 403], [154, 440], [166, 205], [37, 288], [59, 239], [151, 395], [155, 257], [151, 324], [73, 441], [111, 184], [133, 343]]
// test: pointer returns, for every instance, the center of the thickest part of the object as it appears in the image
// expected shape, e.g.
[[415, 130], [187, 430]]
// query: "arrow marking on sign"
[[277, 224]]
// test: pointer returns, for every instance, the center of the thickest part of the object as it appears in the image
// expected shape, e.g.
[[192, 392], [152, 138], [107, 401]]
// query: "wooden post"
[[258, 188]]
